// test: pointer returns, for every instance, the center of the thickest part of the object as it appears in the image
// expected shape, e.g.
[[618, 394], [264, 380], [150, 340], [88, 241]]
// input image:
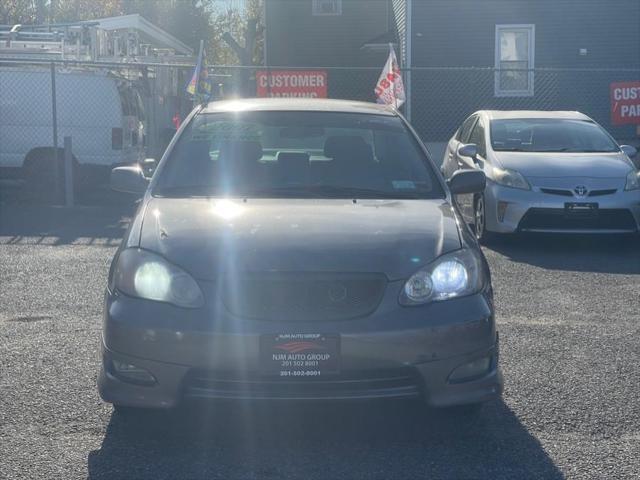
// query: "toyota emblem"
[[337, 292], [581, 191]]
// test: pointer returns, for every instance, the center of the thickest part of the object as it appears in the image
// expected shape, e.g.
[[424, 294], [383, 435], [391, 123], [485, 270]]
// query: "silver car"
[[546, 172]]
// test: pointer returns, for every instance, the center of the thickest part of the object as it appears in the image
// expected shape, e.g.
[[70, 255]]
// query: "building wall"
[[462, 32], [295, 37]]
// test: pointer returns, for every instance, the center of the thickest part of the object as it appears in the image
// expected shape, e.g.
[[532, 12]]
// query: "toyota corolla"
[[298, 250]]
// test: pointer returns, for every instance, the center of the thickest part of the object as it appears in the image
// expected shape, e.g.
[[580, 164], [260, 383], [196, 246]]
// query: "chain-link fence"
[[121, 113]]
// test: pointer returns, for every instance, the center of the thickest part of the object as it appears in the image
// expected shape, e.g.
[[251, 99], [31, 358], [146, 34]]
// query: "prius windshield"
[[297, 155], [550, 135]]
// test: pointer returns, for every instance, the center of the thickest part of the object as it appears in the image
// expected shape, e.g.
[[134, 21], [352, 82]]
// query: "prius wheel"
[[480, 221]]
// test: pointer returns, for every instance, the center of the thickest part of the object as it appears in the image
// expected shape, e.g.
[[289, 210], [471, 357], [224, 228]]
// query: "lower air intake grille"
[[304, 296], [556, 219], [397, 383]]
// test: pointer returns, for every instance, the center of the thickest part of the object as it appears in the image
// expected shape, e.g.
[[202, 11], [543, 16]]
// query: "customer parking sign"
[[625, 103]]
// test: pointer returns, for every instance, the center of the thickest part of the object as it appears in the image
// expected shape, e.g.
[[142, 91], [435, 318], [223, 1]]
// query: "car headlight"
[[140, 273], [633, 180], [509, 178], [452, 275]]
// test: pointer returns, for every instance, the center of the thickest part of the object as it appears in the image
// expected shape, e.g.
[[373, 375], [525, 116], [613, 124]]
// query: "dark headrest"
[[347, 146], [293, 159], [240, 151]]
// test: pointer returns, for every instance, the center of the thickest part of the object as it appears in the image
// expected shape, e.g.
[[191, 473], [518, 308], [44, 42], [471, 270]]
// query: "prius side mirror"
[[129, 179], [467, 181], [468, 150]]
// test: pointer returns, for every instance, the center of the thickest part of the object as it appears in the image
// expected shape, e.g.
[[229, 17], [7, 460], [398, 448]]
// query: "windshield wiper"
[[509, 149], [574, 150], [288, 191], [332, 191]]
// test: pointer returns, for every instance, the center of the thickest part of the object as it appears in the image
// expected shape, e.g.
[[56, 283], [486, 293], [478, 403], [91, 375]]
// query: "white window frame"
[[316, 8], [531, 29]]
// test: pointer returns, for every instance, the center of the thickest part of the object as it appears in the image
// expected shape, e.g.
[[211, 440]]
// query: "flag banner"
[[390, 88], [192, 86], [200, 83]]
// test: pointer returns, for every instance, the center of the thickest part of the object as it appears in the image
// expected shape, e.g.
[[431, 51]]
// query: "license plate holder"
[[581, 209], [300, 355]]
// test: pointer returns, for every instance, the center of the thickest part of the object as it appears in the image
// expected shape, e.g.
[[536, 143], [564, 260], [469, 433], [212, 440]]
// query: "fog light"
[[502, 210], [471, 370], [131, 373]]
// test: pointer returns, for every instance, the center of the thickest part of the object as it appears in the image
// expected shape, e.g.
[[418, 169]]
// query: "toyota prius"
[[557, 172], [298, 250]]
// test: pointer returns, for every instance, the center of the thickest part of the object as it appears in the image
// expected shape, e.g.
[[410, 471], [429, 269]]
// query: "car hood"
[[593, 165], [207, 237]]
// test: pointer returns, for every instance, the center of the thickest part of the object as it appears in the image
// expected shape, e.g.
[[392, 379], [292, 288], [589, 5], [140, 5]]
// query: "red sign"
[[625, 103], [292, 83]]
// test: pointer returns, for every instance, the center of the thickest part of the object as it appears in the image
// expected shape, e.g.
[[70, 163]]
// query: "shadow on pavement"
[[579, 253], [365, 440], [49, 225]]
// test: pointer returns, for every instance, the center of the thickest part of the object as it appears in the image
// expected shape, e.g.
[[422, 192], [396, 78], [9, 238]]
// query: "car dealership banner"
[[390, 88], [292, 83], [625, 103]]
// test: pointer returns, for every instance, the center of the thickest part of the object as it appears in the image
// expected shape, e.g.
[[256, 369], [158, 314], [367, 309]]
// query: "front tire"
[[480, 222]]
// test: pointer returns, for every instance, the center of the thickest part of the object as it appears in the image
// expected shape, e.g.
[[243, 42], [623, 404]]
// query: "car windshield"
[[549, 135], [282, 154]]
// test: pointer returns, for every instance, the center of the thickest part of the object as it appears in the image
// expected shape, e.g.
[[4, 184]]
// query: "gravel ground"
[[569, 325]]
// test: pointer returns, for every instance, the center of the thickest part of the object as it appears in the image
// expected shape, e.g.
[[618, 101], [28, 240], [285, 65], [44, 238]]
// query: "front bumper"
[[394, 353], [509, 210]]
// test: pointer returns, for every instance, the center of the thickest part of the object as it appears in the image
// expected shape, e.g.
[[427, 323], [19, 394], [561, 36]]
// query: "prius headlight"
[[140, 273], [633, 180], [509, 178], [452, 275]]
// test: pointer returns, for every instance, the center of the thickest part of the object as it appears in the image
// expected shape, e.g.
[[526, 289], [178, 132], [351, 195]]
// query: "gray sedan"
[[298, 250], [546, 172]]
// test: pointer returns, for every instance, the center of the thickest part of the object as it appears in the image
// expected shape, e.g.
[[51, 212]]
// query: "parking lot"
[[569, 323]]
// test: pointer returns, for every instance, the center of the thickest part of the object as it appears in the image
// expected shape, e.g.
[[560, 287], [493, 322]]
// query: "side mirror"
[[467, 181], [629, 151], [149, 166], [129, 179], [468, 150]]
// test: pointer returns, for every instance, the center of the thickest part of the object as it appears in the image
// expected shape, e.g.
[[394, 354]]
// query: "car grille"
[[304, 296], [395, 383], [569, 193], [556, 219], [599, 193], [555, 191]]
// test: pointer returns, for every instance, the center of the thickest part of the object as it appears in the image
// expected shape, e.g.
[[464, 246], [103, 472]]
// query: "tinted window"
[[549, 135], [298, 155], [477, 137], [463, 133]]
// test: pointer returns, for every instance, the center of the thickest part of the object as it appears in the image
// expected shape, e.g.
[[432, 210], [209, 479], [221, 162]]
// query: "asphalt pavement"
[[568, 315]]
